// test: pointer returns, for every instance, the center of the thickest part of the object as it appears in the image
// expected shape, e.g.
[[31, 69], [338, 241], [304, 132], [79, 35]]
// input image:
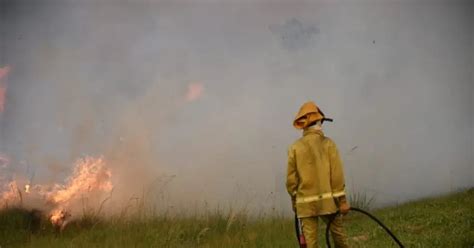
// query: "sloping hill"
[[446, 221]]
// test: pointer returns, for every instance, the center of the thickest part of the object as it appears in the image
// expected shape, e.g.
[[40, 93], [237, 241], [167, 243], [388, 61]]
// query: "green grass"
[[446, 221]]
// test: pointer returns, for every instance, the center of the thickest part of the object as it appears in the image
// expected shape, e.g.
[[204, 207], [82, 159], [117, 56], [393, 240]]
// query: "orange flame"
[[90, 175], [59, 218], [9, 191], [27, 188], [195, 91], [11, 195]]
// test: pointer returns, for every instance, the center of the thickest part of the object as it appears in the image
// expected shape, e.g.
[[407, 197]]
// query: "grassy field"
[[446, 221]]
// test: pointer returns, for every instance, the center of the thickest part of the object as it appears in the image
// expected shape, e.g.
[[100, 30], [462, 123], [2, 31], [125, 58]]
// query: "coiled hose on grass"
[[328, 243]]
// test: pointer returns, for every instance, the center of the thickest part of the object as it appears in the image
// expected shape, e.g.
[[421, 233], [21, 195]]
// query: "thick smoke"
[[192, 102]]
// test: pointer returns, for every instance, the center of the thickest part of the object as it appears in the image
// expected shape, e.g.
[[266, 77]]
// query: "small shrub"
[[361, 200]]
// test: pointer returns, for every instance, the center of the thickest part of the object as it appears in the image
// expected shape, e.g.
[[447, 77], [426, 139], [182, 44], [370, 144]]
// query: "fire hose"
[[302, 241], [328, 244]]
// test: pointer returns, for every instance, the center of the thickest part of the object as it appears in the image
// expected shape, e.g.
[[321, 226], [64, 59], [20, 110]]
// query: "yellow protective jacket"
[[315, 175]]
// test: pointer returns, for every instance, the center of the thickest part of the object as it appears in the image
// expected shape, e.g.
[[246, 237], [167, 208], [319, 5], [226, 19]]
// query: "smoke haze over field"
[[206, 92]]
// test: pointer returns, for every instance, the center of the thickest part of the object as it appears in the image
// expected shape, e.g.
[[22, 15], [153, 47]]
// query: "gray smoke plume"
[[110, 77]]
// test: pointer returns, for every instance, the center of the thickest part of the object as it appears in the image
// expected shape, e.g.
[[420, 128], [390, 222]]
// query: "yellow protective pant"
[[310, 230]]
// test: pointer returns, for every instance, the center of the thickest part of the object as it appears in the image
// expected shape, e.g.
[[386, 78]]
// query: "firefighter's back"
[[314, 173]]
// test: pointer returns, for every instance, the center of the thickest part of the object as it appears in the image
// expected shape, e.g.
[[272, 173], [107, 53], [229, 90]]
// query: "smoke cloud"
[[192, 101]]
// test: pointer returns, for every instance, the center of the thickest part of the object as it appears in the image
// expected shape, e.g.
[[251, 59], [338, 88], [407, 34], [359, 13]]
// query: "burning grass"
[[91, 178], [440, 222]]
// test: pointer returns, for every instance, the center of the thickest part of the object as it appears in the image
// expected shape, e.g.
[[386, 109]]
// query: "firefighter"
[[315, 178]]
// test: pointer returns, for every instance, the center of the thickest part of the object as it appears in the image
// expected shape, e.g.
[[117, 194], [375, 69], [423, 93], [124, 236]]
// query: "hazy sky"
[[112, 77]]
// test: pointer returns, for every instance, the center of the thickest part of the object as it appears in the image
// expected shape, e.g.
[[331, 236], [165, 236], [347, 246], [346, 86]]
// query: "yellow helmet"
[[309, 113]]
